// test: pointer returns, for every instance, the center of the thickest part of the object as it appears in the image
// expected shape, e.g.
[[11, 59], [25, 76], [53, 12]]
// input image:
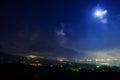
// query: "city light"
[[97, 66], [35, 64], [32, 56], [61, 59]]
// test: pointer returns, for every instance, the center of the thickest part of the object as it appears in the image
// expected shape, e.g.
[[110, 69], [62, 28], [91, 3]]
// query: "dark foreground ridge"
[[17, 71]]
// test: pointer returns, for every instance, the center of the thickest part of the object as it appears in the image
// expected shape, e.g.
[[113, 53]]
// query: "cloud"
[[110, 53], [104, 20], [61, 35]]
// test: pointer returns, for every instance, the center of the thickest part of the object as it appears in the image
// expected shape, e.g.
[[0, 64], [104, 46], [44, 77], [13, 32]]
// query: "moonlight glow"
[[100, 14]]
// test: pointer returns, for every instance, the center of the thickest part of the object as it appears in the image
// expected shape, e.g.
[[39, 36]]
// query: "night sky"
[[59, 26]]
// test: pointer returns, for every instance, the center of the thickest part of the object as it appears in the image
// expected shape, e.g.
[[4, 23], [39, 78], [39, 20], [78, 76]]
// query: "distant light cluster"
[[32, 56]]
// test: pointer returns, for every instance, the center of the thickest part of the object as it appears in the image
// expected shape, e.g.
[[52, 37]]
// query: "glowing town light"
[[31, 56], [98, 66], [61, 59], [35, 64]]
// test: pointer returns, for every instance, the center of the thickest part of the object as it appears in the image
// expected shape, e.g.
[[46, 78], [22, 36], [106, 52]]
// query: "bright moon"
[[100, 13]]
